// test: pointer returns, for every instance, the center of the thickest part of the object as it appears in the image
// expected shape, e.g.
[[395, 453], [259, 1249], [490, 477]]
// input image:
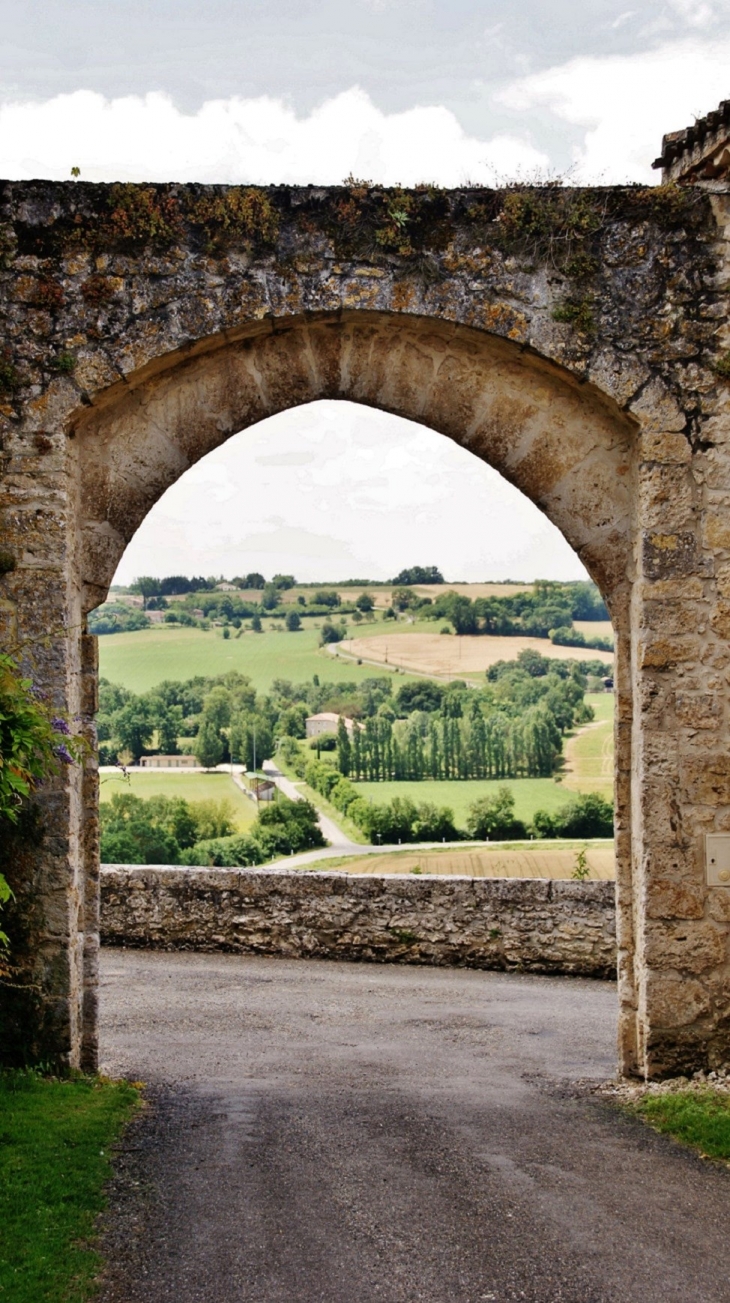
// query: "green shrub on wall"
[[34, 744]]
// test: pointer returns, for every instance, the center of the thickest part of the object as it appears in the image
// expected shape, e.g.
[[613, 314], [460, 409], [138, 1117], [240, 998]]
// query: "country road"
[[324, 1132]]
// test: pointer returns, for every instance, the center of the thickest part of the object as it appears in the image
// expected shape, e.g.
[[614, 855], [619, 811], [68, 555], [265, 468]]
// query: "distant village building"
[[226, 588], [700, 152], [168, 762], [326, 722]]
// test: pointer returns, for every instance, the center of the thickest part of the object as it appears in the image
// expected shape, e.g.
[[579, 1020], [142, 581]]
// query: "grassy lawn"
[[530, 794], [192, 787], [55, 1138], [141, 660], [699, 1118]]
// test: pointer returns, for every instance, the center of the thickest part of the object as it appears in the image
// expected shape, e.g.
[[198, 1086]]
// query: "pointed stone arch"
[[145, 325]]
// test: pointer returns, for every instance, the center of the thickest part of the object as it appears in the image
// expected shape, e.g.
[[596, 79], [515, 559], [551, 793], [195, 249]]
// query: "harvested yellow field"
[[594, 628], [472, 590], [449, 656], [513, 861]]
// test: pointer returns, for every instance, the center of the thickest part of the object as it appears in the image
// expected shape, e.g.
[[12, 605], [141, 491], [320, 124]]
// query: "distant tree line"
[[219, 718], [197, 608], [513, 727]]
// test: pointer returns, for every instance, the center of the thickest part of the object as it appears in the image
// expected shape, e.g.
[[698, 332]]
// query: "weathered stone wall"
[[576, 340], [525, 924]]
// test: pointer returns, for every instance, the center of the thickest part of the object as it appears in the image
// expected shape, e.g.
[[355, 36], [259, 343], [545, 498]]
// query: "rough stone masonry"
[[527, 925], [577, 340]]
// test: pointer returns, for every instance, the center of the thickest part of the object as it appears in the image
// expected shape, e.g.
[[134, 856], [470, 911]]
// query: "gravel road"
[[345, 1133]]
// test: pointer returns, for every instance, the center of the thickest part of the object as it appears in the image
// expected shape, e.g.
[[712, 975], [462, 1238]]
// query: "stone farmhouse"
[[326, 722]]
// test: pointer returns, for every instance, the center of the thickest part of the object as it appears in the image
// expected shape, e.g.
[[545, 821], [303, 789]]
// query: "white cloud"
[[256, 141], [625, 104]]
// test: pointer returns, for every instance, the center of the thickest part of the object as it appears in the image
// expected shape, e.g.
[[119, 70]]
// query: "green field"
[[141, 660], [192, 787], [589, 756], [530, 794]]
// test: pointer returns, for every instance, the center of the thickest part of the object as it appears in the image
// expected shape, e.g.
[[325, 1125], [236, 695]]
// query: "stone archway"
[[611, 440]]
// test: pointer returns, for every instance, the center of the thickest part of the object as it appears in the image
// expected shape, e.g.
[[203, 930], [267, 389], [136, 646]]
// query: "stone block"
[[657, 410], [688, 946], [666, 496], [674, 1001], [665, 447], [698, 709], [671, 898], [706, 779], [665, 653], [673, 555]]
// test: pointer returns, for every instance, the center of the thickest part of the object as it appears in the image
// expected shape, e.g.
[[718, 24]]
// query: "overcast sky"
[[312, 90]]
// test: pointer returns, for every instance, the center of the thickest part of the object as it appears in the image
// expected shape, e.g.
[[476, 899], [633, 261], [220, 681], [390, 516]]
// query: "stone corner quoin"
[[577, 340]]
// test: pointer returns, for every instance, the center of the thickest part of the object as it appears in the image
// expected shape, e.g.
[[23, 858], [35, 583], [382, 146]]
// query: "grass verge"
[[698, 1118], [55, 1140]]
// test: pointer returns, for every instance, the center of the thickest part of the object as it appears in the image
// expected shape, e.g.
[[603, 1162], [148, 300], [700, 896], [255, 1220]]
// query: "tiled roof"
[[700, 152]]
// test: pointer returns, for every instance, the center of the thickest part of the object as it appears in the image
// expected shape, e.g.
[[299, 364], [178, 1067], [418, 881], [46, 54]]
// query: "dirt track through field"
[[449, 656]]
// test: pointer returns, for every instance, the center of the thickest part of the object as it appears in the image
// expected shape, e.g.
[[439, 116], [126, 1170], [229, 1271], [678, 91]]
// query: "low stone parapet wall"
[[534, 925]]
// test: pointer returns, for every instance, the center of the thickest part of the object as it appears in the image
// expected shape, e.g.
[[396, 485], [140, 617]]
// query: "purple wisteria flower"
[[60, 726], [63, 753]]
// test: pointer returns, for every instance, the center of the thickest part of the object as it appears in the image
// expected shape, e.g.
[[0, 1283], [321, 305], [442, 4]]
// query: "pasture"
[[588, 768], [143, 659], [191, 787], [503, 860], [531, 794]]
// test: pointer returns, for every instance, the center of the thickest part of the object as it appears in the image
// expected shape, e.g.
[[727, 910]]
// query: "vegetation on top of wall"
[[553, 225], [236, 216], [141, 215], [548, 223], [368, 219]]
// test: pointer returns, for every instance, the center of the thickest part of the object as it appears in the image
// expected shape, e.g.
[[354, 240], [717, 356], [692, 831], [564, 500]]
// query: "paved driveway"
[[345, 1133]]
